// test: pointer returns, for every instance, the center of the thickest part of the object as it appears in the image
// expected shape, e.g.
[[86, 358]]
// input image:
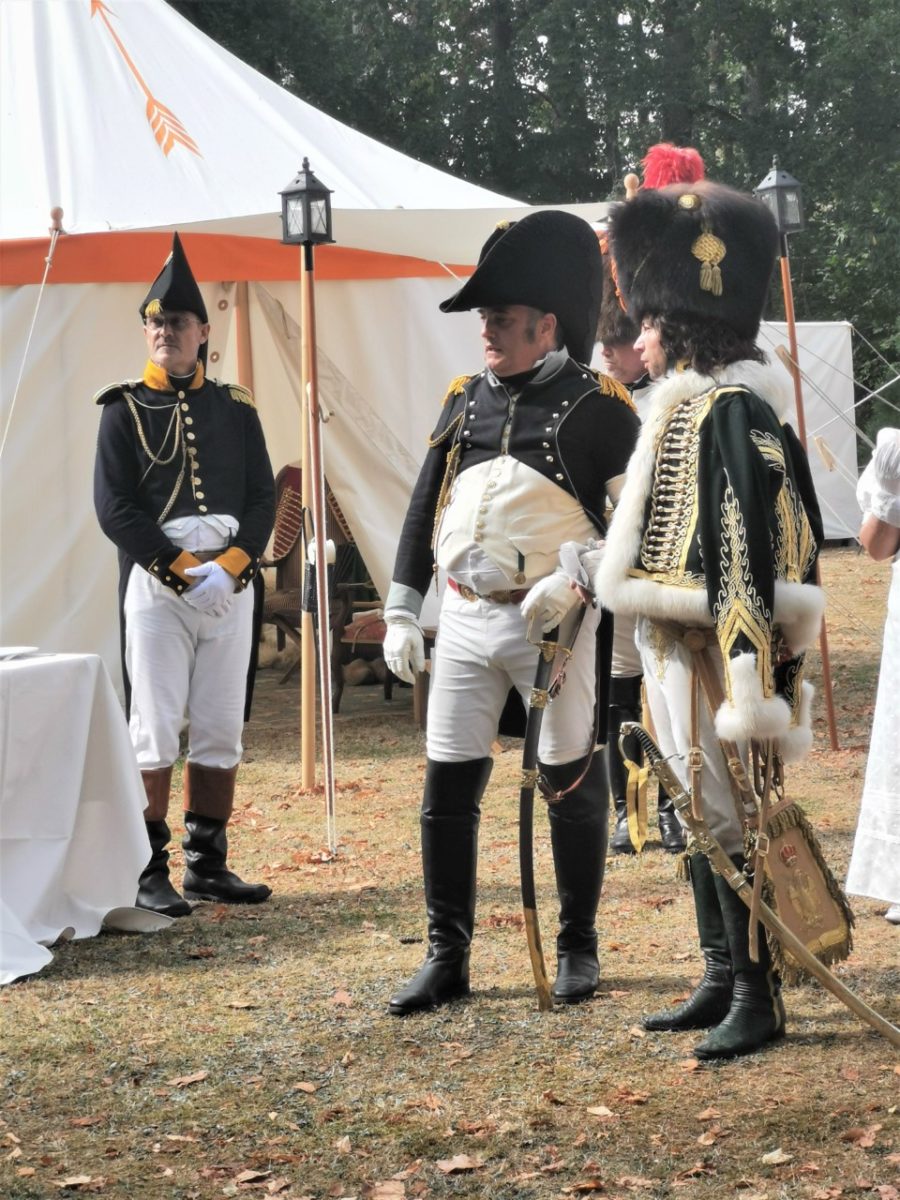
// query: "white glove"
[[404, 645], [215, 591], [886, 460], [549, 601]]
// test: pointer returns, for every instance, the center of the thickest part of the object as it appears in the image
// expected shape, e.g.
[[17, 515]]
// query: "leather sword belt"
[[467, 593]]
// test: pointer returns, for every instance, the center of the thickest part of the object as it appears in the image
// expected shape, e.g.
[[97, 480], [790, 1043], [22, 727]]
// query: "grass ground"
[[248, 1051]]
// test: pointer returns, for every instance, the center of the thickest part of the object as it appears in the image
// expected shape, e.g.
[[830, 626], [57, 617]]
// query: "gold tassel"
[[710, 250]]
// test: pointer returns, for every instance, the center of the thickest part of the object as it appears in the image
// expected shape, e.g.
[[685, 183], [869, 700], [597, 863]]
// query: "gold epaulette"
[[241, 394], [456, 387], [113, 391], [611, 387]]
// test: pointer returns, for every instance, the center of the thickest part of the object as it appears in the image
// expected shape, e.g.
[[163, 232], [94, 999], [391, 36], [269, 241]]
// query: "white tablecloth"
[[72, 835]]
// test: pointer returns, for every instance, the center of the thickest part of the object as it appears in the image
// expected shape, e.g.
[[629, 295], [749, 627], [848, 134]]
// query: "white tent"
[[136, 123]]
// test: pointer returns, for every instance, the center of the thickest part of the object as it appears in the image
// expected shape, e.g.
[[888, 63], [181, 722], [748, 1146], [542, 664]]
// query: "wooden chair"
[[351, 595]]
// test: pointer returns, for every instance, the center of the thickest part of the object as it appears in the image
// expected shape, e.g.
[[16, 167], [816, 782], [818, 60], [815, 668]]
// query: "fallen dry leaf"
[[458, 1163], [690, 1064], [600, 1110], [585, 1187], [342, 1145], [252, 1176], [552, 1098], [74, 1181], [309, 1088], [342, 998], [241, 1004], [186, 1080], [710, 1136], [393, 1189], [79, 1122], [865, 1138], [708, 1114], [775, 1157]]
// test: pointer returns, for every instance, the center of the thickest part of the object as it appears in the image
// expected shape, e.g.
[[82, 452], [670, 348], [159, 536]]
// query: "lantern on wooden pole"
[[306, 222], [783, 196]]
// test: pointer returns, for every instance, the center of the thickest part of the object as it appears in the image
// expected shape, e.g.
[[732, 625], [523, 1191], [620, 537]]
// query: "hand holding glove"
[[549, 601], [214, 591], [404, 645]]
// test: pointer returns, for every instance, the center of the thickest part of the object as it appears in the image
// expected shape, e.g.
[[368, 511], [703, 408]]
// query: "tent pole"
[[788, 289], [317, 482], [307, 629], [244, 345]]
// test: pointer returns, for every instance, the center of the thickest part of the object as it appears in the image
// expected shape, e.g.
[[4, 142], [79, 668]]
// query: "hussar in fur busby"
[[699, 250], [549, 261]]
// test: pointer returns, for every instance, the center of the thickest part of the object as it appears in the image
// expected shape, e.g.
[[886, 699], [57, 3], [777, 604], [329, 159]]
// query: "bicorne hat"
[[549, 261], [699, 250], [175, 288]]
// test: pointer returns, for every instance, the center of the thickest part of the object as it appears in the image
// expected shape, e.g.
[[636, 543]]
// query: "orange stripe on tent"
[[137, 258]]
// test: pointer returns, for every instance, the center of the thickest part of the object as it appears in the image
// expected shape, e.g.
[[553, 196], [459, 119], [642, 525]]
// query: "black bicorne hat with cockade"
[[549, 261]]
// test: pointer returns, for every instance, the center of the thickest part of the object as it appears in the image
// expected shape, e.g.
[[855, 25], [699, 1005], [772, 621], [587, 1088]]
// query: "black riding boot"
[[155, 891], [208, 801], [711, 998], [671, 831], [624, 705], [578, 835], [451, 809], [756, 1015]]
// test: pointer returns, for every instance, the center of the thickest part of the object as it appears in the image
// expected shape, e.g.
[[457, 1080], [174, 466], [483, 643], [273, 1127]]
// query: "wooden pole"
[[244, 345], [307, 627], [317, 487], [788, 290]]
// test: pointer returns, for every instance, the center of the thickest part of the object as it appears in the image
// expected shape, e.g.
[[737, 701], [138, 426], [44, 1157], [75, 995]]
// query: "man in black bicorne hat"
[[521, 461], [183, 487]]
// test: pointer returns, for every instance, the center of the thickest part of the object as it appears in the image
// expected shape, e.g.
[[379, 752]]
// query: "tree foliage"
[[554, 100]]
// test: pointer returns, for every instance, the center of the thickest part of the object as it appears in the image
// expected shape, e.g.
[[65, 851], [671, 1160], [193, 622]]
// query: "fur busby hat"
[[548, 260], [698, 249], [175, 288]]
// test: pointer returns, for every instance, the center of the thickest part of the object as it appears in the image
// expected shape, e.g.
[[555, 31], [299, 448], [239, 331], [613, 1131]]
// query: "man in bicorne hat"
[[713, 547], [522, 460], [183, 486]]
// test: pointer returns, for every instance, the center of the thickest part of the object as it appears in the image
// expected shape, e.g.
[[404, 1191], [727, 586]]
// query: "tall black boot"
[[451, 810], [578, 834], [711, 998], [671, 831], [155, 890], [756, 1015], [624, 705], [208, 801]]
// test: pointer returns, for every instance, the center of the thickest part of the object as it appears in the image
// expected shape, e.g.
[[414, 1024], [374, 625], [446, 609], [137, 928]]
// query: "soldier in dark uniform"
[[522, 460], [183, 486], [617, 332]]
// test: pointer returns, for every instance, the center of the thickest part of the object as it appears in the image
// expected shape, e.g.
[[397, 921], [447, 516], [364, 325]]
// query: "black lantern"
[[782, 195], [306, 210]]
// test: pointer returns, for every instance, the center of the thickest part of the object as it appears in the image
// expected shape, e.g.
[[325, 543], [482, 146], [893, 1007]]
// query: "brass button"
[[195, 479], [202, 508], [188, 420], [181, 395], [192, 436], [185, 407], [560, 477], [201, 495]]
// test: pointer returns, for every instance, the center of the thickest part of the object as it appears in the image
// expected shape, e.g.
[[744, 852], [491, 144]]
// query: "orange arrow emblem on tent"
[[167, 129]]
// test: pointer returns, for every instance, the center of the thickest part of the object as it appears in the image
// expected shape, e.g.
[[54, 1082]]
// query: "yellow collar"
[[158, 379]]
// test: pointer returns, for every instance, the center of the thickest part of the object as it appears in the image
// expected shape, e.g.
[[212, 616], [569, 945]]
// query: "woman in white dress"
[[875, 862]]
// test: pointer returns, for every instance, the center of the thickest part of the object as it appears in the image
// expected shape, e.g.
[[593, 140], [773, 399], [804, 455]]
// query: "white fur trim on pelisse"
[[797, 742], [750, 714]]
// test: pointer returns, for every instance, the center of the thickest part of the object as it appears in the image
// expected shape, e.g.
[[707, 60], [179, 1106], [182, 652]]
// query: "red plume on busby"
[[665, 163]]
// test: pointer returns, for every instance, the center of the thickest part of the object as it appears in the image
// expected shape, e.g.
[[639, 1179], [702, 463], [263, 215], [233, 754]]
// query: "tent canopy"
[[136, 123]]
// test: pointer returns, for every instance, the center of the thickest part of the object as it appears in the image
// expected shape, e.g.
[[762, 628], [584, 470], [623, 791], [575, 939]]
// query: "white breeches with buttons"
[[186, 668], [667, 679], [481, 651]]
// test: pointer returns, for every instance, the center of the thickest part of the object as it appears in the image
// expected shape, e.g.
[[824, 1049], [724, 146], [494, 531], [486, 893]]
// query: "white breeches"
[[186, 668], [482, 651], [667, 679], [626, 660]]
